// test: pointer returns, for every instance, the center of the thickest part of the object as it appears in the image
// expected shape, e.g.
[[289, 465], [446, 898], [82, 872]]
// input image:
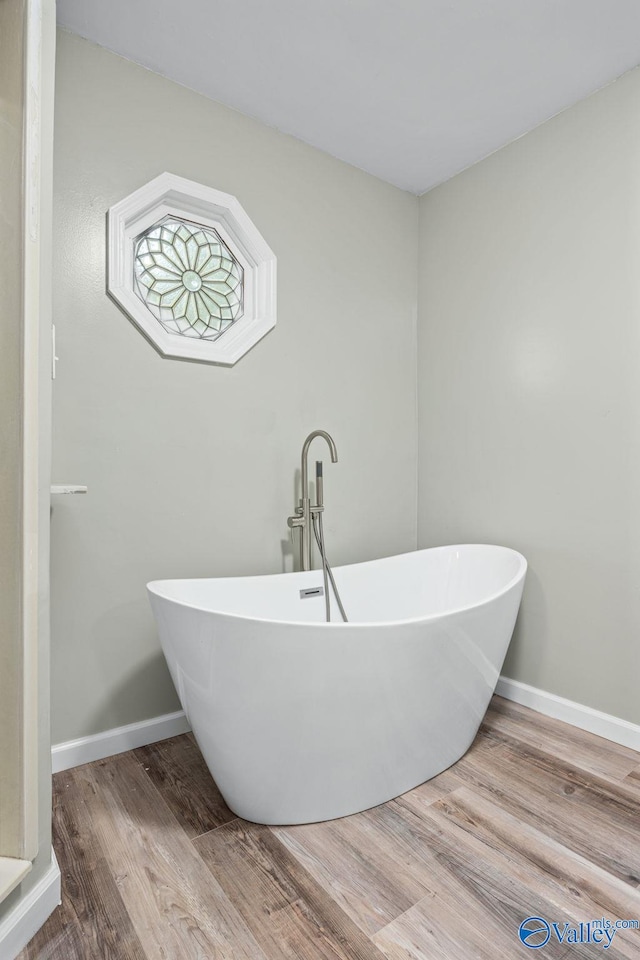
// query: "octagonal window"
[[191, 270]]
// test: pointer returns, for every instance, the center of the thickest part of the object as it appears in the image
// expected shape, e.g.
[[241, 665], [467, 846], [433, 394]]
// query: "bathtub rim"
[[519, 577]]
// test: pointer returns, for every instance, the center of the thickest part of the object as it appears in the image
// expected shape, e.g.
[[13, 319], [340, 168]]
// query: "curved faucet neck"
[[305, 455]]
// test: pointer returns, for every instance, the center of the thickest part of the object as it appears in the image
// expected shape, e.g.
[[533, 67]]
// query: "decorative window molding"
[[191, 270]]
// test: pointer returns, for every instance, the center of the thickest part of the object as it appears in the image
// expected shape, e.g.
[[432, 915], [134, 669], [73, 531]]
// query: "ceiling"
[[413, 91]]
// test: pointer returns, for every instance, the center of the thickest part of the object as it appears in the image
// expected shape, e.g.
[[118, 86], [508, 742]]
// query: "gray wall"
[[529, 384], [191, 467], [528, 378]]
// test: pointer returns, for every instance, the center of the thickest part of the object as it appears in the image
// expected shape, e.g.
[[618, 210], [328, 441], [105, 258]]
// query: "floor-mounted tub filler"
[[301, 720]]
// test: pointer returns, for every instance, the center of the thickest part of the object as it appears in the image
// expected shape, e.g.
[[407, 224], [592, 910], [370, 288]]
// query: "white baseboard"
[[29, 914], [73, 753], [602, 724]]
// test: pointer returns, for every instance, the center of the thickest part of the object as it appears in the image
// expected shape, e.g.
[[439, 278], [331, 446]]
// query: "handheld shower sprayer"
[[319, 484]]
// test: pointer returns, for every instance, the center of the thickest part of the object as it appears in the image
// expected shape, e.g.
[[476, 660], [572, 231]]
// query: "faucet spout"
[[305, 457]]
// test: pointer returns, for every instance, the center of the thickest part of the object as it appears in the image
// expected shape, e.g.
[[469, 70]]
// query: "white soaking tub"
[[301, 720]]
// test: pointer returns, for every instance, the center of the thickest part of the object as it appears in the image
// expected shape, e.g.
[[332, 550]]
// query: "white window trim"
[[169, 195]]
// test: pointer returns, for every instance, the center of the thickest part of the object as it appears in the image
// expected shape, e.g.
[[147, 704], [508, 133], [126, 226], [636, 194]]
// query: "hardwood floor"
[[538, 819]]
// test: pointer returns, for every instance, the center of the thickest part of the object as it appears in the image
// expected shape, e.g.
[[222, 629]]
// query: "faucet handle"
[[293, 522]]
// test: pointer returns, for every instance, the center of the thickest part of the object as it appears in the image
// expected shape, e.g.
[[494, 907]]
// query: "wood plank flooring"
[[538, 818]]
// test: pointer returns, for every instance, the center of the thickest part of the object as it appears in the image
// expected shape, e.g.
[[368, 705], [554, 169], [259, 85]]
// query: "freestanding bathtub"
[[301, 720]]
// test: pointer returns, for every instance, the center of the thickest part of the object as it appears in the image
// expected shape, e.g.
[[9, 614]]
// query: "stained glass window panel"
[[188, 278]]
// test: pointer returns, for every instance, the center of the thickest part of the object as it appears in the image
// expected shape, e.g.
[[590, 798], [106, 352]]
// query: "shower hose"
[[327, 572]]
